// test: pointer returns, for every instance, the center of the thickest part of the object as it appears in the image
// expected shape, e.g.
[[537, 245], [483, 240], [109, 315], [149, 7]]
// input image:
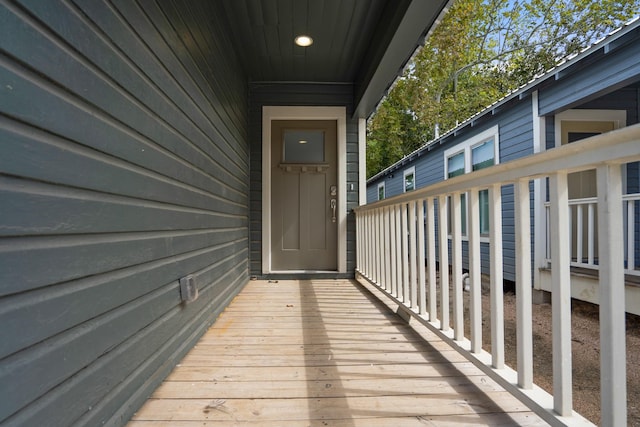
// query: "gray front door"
[[304, 195]]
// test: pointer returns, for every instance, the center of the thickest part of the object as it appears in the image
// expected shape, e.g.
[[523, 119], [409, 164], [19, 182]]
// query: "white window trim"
[[466, 146], [381, 185], [407, 172]]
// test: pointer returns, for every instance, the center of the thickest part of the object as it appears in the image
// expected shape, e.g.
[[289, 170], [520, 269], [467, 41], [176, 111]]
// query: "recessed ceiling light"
[[302, 141], [304, 41]]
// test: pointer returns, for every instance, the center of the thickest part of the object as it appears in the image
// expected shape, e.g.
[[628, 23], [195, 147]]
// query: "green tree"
[[481, 51]]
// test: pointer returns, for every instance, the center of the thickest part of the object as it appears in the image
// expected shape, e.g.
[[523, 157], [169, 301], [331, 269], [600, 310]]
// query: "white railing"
[[584, 232], [395, 237]]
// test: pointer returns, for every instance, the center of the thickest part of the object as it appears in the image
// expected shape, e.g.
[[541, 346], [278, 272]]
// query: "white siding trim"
[[539, 194], [270, 113]]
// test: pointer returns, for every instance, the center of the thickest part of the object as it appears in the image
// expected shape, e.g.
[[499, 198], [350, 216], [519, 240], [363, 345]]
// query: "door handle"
[[333, 209]]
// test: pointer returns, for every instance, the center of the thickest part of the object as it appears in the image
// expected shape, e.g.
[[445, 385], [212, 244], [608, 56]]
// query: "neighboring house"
[[152, 148], [595, 92]]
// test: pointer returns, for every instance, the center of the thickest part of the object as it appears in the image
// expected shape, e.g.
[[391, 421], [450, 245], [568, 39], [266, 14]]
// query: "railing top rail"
[[618, 146]]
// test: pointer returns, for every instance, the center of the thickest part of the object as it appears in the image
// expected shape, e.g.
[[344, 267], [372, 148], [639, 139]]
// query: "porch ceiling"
[[361, 42]]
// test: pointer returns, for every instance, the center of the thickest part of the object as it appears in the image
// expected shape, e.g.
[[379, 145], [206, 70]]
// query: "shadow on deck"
[[325, 353]]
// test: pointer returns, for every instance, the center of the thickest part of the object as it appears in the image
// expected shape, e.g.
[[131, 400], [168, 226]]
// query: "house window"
[[410, 179], [381, 191], [478, 152]]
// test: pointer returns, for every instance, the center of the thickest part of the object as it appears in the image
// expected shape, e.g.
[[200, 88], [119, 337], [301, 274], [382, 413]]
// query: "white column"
[[613, 380], [413, 258], [495, 248], [431, 259], [422, 300], [523, 283], [475, 277], [561, 293], [456, 266], [444, 262], [405, 255], [362, 162], [399, 252], [387, 246], [394, 248]]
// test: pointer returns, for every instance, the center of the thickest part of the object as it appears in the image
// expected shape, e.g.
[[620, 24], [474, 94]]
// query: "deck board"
[[324, 353]]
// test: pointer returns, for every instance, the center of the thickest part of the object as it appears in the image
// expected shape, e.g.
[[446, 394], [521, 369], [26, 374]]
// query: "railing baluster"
[[387, 248], [376, 246], [612, 299], [370, 245], [422, 300], [444, 262], [497, 306], [561, 293], [456, 266], [631, 229], [475, 277], [431, 259], [523, 283], [392, 255], [579, 233], [405, 256], [591, 236], [413, 258], [398, 220]]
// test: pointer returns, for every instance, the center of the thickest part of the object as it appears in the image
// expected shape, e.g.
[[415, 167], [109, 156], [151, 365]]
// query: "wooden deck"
[[324, 353]]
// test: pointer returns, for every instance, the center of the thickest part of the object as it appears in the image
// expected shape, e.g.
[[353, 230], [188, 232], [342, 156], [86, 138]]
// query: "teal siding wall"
[[266, 94], [124, 165]]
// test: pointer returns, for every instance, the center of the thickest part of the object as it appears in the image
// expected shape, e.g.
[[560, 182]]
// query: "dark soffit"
[[365, 43]]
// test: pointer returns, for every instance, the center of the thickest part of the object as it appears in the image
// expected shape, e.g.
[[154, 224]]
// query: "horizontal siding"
[[516, 141], [124, 166], [269, 94]]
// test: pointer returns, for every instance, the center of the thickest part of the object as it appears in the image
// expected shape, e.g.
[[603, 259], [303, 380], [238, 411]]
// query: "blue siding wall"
[[516, 141], [124, 166], [266, 94]]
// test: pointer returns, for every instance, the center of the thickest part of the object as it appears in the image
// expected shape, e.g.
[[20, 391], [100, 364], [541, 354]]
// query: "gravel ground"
[[585, 349]]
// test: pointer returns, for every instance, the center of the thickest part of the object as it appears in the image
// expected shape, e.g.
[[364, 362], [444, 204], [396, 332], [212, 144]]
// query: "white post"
[[362, 161], [399, 286], [613, 378], [431, 258], [523, 283], [444, 263], [378, 249], [456, 266], [413, 258], [421, 257], [475, 276], [495, 247], [561, 293], [394, 248], [386, 259], [405, 255], [631, 232]]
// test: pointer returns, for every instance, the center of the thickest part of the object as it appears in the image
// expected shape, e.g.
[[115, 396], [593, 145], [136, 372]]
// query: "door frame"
[[339, 114]]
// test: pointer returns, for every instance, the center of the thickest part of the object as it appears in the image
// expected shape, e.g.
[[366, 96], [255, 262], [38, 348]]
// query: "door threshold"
[[305, 275]]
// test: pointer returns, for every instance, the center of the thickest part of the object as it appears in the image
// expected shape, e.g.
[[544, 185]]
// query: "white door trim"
[[270, 113]]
